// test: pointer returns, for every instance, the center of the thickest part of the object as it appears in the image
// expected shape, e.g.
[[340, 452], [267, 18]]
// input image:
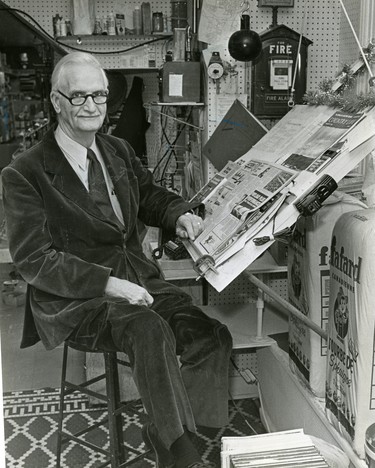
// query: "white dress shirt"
[[76, 155]]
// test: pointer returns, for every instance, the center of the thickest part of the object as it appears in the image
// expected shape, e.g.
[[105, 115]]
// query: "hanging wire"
[[159, 165], [170, 153]]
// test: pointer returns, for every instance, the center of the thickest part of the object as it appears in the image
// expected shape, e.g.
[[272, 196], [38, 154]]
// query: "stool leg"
[[61, 409], [114, 420]]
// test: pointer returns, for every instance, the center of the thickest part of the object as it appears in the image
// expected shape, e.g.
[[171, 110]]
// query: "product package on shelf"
[[83, 16], [308, 288], [350, 387]]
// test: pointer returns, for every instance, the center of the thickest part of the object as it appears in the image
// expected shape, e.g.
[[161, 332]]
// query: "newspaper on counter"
[[315, 151], [303, 135], [260, 194], [239, 200]]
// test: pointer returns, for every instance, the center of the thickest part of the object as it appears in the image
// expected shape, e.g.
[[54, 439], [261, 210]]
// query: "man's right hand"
[[124, 289]]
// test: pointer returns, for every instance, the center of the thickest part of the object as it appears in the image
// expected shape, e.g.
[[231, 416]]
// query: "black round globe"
[[245, 45]]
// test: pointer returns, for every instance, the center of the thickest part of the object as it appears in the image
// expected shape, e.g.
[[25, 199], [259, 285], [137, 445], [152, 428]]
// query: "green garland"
[[341, 99]]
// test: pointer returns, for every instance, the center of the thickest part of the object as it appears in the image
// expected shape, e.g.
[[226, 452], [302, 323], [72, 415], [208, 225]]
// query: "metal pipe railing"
[[285, 305]]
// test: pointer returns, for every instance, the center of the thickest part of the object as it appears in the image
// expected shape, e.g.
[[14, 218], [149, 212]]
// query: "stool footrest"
[[66, 437], [73, 437], [91, 428], [135, 459], [118, 452], [79, 388]]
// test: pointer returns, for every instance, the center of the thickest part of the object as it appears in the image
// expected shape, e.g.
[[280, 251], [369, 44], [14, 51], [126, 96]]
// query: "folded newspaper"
[[285, 175], [239, 200], [287, 449]]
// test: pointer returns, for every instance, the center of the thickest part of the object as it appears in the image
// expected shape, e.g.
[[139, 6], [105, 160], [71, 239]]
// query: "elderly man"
[[72, 204]]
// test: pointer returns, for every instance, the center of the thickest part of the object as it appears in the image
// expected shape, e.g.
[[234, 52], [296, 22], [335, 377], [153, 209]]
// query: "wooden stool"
[[117, 448]]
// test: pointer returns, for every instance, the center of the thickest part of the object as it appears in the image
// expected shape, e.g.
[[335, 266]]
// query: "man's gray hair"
[[74, 58]]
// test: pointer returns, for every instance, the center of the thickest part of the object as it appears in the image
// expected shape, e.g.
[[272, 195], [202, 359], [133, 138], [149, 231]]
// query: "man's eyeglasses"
[[98, 97]]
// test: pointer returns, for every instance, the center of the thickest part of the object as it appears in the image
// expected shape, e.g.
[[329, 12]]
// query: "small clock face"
[[215, 70]]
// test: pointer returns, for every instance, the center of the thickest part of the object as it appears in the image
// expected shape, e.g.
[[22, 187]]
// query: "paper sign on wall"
[[175, 84]]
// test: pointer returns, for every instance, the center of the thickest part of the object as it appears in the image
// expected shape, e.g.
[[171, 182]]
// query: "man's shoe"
[[163, 457]]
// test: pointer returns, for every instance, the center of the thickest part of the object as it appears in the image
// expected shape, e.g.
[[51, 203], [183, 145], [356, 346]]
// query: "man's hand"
[[124, 289], [189, 226]]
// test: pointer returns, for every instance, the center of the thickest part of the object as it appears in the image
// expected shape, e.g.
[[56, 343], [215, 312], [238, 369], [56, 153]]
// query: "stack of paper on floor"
[[350, 392], [308, 288], [288, 449]]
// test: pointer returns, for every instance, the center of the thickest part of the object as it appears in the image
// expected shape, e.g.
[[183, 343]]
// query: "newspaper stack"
[[279, 449]]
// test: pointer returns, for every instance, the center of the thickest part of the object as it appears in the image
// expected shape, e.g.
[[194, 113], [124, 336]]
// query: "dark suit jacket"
[[63, 246]]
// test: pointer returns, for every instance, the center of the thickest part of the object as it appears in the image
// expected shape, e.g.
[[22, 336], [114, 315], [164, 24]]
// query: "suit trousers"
[[177, 394]]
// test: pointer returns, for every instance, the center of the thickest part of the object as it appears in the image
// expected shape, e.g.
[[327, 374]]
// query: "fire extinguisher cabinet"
[[275, 70]]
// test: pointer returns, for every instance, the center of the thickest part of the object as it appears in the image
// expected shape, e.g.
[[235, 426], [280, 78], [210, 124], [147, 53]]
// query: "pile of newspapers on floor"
[[287, 449]]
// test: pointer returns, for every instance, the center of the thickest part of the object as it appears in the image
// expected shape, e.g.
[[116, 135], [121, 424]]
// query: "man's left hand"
[[189, 226]]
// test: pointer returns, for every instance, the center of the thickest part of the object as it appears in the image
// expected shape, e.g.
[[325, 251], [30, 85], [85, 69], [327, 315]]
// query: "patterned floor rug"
[[30, 419]]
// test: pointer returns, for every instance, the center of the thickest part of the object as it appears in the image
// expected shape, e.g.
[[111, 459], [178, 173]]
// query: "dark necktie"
[[98, 187]]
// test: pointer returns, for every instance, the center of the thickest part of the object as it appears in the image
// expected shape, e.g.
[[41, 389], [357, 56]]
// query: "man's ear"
[[55, 100]]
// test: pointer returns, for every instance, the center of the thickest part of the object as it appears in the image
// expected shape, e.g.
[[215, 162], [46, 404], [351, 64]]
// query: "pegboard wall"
[[242, 291], [333, 45], [43, 10], [318, 20]]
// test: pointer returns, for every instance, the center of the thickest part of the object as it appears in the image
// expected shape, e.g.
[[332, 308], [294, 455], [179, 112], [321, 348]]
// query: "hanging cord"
[[173, 150], [161, 163], [94, 52], [170, 151], [372, 78], [291, 98], [172, 154]]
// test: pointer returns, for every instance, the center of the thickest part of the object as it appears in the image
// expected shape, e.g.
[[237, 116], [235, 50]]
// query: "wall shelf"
[[126, 52], [105, 38]]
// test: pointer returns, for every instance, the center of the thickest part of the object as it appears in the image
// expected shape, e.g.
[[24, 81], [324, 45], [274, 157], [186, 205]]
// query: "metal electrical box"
[[180, 82], [274, 72]]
